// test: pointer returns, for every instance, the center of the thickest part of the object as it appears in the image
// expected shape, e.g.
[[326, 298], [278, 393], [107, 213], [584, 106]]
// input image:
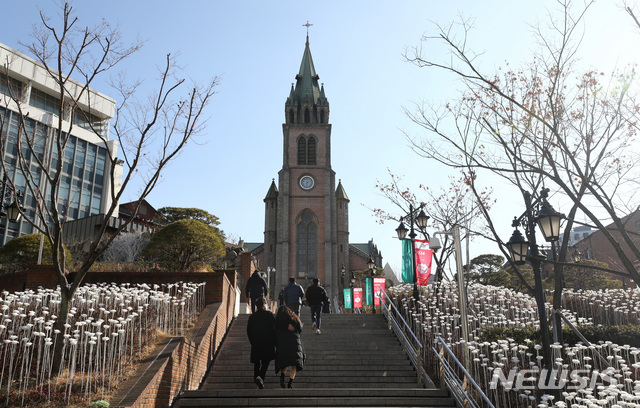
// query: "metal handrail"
[[451, 378], [413, 352], [386, 298]]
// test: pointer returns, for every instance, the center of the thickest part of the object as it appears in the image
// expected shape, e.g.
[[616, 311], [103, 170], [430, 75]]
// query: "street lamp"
[[462, 293], [419, 221], [270, 269], [538, 212], [14, 210], [371, 264], [352, 284]]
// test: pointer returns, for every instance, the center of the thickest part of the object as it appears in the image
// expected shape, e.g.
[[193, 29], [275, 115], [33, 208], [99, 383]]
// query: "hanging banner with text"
[[357, 297], [424, 256], [379, 283], [407, 261], [369, 291], [348, 302]]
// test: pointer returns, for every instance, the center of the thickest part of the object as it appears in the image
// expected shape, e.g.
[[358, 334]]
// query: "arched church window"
[[302, 150], [306, 244], [291, 116], [307, 116], [311, 150], [322, 116]]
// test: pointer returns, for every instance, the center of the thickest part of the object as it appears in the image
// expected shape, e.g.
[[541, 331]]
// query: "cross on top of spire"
[[307, 25]]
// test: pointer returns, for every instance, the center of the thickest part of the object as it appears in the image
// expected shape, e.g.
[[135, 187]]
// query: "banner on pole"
[[407, 261], [357, 297], [379, 283], [368, 291], [424, 256], [347, 299]]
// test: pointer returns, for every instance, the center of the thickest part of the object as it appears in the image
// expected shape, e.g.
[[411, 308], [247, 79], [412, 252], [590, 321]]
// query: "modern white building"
[[26, 87]]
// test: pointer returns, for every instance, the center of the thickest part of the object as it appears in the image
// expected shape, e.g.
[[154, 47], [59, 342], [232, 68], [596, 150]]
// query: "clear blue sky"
[[256, 47]]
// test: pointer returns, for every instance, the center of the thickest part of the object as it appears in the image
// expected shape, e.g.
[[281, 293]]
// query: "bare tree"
[[126, 247], [545, 125], [446, 207], [149, 133]]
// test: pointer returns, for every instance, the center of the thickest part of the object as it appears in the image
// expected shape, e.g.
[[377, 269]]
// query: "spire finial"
[[307, 25]]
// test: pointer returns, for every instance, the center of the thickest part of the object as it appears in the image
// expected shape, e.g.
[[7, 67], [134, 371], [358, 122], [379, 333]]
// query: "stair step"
[[324, 397], [356, 361]]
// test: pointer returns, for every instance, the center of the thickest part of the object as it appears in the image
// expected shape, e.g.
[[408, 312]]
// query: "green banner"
[[407, 262], [369, 290], [348, 301]]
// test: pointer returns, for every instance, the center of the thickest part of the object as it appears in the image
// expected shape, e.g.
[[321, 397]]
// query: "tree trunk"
[[61, 321]]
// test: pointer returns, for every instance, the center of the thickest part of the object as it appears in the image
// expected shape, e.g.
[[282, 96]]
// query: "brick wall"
[[180, 363]]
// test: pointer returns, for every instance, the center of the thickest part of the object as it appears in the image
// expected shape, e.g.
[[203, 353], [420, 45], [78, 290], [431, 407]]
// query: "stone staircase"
[[355, 362]]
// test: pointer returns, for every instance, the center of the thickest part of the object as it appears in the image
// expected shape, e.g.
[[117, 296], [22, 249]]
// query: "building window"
[[307, 116], [44, 101], [307, 151], [322, 116], [88, 121], [311, 150], [10, 86], [306, 243], [302, 150], [291, 116]]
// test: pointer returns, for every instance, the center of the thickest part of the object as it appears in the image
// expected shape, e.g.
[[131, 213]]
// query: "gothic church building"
[[306, 231]]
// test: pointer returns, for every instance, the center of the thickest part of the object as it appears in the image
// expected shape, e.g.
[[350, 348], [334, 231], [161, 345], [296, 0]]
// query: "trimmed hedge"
[[621, 335]]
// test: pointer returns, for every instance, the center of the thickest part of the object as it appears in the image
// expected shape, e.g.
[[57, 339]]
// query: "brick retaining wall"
[[179, 363]]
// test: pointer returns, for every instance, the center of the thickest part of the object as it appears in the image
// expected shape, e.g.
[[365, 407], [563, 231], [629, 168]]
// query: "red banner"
[[424, 256], [357, 297], [379, 284]]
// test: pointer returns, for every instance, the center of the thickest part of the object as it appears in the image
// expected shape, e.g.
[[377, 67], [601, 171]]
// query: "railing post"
[[419, 368]]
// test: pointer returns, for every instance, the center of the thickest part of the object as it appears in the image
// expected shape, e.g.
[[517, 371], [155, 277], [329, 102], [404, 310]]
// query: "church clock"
[[307, 182]]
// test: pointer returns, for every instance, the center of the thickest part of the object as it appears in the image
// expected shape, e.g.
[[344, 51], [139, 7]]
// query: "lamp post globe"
[[422, 219], [518, 248], [401, 231], [371, 263], [548, 221], [13, 212]]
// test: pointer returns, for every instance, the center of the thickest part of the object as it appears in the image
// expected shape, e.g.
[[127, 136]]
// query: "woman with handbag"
[[289, 351]]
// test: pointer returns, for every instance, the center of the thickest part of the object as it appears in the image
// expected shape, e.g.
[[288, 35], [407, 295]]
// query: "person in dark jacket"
[[262, 336], [256, 288], [289, 351], [293, 295], [316, 298]]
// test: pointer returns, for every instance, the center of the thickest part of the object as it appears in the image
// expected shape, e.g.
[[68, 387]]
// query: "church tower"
[[306, 217]]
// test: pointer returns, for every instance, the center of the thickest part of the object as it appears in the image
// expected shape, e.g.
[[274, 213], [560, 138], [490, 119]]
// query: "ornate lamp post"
[[371, 264], [419, 221], [538, 212], [14, 210]]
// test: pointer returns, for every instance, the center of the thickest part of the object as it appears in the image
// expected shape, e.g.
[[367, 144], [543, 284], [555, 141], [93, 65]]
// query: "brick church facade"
[[306, 231]]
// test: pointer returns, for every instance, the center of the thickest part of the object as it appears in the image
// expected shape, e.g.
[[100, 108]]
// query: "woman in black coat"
[[262, 336], [289, 352]]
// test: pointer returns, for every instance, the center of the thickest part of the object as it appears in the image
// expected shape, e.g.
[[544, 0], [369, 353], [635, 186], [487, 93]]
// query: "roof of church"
[[307, 82], [273, 190], [340, 193]]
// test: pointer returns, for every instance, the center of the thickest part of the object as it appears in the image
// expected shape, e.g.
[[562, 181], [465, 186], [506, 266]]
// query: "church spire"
[[307, 102]]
